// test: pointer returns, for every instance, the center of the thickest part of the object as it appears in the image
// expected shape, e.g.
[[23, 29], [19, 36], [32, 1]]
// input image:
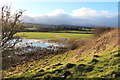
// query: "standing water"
[[37, 43]]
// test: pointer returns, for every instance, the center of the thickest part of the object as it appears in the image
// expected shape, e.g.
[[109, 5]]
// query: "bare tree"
[[10, 24]]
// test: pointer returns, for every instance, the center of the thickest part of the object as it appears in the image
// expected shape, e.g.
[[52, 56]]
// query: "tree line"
[[56, 28]]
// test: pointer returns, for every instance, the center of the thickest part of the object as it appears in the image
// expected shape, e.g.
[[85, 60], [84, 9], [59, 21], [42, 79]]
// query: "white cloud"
[[84, 12], [82, 16], [90, 13], [56, 12]]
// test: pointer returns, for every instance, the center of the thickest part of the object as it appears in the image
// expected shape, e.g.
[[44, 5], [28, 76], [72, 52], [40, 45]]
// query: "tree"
[[10, 24]]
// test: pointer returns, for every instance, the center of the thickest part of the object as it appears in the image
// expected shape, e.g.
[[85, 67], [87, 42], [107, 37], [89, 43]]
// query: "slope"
[[97, 58]]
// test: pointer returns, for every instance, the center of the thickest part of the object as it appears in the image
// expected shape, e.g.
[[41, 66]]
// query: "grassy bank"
[[104, 65]]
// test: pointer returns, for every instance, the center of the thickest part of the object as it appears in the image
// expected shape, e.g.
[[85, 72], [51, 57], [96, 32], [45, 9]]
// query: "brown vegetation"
[[107, 40], [100, 30]]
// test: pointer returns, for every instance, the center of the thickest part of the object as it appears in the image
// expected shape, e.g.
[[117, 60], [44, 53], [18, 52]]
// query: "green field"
[[77, 32], [48, 35]]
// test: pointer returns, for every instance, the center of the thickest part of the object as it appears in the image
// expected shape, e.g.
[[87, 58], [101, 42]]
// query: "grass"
[[48, 35], [31, 28], [103, 68], [77, 32]]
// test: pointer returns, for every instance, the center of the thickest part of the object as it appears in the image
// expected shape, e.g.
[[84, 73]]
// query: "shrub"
[[75, 44], [99, 30]]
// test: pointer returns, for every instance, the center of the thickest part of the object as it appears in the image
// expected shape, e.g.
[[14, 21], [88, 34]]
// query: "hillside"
[[96, 58], [48, 25]]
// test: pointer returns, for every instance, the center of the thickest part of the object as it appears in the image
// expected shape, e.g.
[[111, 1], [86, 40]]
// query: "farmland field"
[[49, 35]]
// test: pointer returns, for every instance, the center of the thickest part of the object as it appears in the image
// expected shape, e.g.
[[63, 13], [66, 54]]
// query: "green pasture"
[[49, 35], [77, 32]]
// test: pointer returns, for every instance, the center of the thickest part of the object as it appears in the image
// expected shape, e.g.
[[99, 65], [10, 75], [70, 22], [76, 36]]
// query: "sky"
[[87, 12]]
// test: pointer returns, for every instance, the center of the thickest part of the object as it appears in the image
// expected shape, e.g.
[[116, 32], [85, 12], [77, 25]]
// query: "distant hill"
[[46, 25]]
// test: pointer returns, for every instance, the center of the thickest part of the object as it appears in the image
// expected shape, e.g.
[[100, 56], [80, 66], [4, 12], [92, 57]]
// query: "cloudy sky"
[[72, 13]]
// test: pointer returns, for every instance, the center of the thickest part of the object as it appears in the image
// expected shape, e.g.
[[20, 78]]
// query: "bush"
[[99, 30], [75, 44]]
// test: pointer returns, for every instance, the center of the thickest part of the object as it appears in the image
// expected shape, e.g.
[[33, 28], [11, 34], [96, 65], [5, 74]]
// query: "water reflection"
[[37, 43], [31, 45]]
